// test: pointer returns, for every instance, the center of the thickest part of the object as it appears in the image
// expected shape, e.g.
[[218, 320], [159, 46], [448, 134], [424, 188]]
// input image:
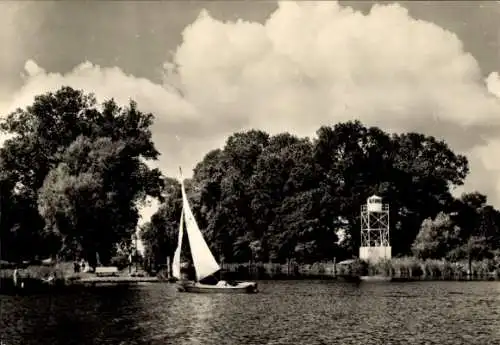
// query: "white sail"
[[204, 262], [176, 264]]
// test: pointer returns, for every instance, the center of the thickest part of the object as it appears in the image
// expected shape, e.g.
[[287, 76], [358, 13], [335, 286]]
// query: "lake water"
[[285, 312]]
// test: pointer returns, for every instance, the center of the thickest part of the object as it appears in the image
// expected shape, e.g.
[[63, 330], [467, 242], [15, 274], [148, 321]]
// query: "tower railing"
[[385, 208]]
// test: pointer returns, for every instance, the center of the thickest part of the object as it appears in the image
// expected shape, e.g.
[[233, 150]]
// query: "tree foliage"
[[160, 233], [282, 197], [435, 237], [75, 174]]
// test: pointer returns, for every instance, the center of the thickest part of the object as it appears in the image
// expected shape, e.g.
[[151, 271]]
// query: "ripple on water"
[[293, 312]]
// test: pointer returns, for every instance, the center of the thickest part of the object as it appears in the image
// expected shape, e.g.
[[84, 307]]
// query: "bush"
[[483, 267], [407, 266], [33, 272], [383, 267], [6, 264], [358, 267], [120, 261]]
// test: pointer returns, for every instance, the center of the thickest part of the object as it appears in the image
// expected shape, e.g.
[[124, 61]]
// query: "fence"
[[323, 270], [398, 269]]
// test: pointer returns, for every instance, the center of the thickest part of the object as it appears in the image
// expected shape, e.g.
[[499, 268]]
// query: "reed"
[[270, 270], [32, 278], [412, 268], [405, 268], [34, 272]]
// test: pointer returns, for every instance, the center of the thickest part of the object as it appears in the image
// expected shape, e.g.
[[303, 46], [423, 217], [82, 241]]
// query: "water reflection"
[[301, 312], [199, 309], [98, 314]]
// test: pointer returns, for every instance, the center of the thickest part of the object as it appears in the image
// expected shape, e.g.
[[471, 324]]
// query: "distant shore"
[[398, 269], [62, 276]]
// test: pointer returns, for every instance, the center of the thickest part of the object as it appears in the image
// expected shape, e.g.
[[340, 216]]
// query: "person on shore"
[[50, 279], [76, 266], [191, 272], [17, 280], [15, 277], [188, 272]]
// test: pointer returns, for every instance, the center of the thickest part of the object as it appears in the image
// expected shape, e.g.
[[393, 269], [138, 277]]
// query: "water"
[[285, 312]]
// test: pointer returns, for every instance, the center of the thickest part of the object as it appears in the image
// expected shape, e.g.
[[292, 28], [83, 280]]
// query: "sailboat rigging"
[[205, 264]]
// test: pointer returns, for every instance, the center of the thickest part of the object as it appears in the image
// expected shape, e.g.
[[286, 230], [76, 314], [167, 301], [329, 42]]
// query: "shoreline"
[[407, 269], [35, 279], [397, 269]]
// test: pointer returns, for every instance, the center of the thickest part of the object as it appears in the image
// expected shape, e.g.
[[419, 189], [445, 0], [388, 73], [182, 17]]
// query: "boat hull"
[[220, 287], [377, 278]]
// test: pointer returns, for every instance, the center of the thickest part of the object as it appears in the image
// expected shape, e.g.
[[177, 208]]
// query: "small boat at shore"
[[204, 262]]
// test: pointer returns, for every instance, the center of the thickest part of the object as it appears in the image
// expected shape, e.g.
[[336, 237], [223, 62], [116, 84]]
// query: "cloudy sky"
[[207, 69]]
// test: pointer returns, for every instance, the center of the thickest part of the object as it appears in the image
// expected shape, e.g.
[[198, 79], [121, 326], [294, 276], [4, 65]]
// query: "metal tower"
[[375, 243]]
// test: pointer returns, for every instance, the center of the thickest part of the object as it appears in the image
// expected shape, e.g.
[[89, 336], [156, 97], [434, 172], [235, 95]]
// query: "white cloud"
[[310, 64], [173, 113], [493, 83]]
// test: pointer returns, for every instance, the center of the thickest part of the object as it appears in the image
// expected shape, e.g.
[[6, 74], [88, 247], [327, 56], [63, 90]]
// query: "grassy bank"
[[35, 277], [37, 272], [319, 270], [414, 269], [407, 268]]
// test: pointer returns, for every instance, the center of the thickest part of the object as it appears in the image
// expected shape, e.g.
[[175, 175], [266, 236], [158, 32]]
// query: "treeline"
[[72, 176], [276, 198]]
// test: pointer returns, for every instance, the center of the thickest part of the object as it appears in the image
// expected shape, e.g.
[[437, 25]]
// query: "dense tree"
[[73, 175], [19, 223], [426, 169], [356, 163], [161, 232], [479, 223], [436, 237], [290, 203], [410, 171], [82, 165], [282, 197]]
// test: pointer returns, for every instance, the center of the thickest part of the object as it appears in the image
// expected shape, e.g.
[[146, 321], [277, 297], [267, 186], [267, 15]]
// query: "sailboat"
[[204, 262]]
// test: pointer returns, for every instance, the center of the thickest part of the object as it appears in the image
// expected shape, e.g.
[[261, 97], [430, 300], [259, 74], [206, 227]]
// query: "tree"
[[425, 169], [18, 231], [160, 234], [480, 227], [285, 197], [289, 201], [64, 140], [411, 171], [69, 204], [489, 226], [468, 210], [436, 237], [355, 161], [223, 200]]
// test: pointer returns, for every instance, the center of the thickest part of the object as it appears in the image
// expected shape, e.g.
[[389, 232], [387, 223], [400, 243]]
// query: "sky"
[[208, 69]]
